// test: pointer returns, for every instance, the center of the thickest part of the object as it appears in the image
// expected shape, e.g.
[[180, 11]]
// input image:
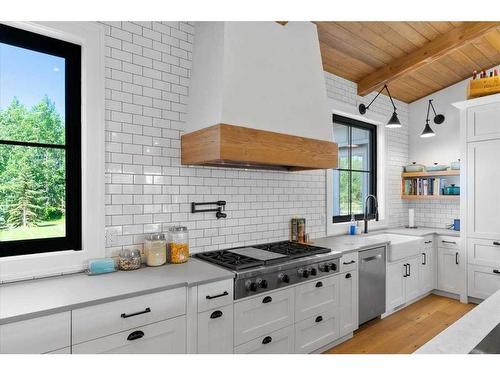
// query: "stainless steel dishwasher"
[[371, 284]]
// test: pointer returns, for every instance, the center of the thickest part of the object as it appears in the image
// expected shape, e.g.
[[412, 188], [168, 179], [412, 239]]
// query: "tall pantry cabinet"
[[480, 199]]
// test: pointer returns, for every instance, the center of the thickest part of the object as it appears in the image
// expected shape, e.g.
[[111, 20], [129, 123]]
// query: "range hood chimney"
[[258, 98]]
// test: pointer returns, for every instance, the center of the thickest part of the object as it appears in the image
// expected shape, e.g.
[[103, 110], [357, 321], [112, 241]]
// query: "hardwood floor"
[[407, 330]]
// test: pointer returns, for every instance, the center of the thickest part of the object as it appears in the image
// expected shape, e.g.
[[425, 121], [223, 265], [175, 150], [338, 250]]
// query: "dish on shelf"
[[455, 165], [414, 167], [436, 167]]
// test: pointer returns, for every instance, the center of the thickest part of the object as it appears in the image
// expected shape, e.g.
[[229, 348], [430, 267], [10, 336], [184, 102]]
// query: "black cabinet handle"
[[267, 340], [135, 335], [424, 262], [125, 316], [218, 295], [496, 271], [319, 284], [267, 299], [351, 262], [456, 257], [427, 242], [318, 319], [496, 243], [406, 270], [452, 242], [348, 276], [216, 314]]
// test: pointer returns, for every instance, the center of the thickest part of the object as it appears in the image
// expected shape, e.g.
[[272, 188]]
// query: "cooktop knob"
[[326, 268], [284, 278], [305, 273], [333, 266], [253, 287], [314, 272], [263, 284]]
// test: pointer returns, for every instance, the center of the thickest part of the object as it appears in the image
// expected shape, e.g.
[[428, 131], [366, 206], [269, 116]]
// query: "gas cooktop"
[[261, 255]]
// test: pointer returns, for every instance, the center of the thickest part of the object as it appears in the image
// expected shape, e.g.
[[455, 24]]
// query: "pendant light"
[[394, 120], [438, 119]]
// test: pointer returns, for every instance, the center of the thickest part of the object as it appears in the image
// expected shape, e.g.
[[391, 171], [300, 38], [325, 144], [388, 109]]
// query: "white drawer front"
[[483, 252], [483, 281], [165, 337], [449, 242], [312, 297], [278, 342], [315, 332], [36, 336], [349, 262], [105, 319], [262, 314], [213, 295], [215, 331]]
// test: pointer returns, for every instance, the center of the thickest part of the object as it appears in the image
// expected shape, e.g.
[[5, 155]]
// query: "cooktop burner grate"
[[230, 260]]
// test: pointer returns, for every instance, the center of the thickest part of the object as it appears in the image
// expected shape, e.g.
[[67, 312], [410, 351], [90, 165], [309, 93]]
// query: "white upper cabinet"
[[483, 180], [483, 122]]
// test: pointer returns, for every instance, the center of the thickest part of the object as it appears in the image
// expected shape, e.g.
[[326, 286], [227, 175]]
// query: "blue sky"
[[29, 75]]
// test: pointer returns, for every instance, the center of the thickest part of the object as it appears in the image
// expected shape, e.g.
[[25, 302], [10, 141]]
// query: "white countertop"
[[463, 335], [29, 299]]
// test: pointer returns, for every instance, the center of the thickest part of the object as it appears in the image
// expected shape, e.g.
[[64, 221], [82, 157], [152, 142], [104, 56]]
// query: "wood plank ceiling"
[[356, 50]]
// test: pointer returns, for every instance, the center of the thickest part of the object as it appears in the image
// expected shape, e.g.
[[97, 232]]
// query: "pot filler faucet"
[[365, 216]]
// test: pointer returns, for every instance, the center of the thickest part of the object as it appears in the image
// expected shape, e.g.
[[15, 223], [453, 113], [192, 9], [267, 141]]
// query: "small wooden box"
[[483, 87]]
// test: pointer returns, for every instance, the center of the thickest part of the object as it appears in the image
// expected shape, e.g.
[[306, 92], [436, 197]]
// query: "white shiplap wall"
[[147, 80]]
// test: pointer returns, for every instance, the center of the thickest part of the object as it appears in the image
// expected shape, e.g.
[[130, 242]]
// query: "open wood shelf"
[[431, 197], [430, 174]]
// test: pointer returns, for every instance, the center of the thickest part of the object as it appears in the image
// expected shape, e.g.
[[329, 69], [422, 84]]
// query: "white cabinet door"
[[215, 331], [482, 122], [426, 271], [483, 281], [483, 179], [317, 331], [449, 270], [412, 284], [395, 293], [37, 335], [165, 337], [262, 314], [277, 342], [348, 303], [312, 297]]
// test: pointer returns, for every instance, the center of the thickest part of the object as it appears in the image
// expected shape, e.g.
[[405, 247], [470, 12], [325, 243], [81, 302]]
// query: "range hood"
[[258, 98]]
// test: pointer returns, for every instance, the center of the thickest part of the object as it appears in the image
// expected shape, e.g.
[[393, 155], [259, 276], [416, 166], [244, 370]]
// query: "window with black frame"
[[40, 161], [356, 175]]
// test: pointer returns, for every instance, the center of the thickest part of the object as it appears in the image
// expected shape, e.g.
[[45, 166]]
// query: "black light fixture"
[[394, 120], [438, 119]]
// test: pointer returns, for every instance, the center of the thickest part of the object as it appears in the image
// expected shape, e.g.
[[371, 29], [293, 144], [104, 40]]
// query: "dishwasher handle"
[[370, 258]]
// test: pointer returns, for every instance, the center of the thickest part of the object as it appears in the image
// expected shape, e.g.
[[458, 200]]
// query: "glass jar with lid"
[[129, 259], [178, 244], [155, 247]]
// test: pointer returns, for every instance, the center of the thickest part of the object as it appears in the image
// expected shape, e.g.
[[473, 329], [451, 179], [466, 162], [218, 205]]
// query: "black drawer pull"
[[135, 335], [218, 295], [427, 242], [125, 316], [267, 340], [456, 258], [267, 299], [424, 262], [496, 271], [216, 314], [351, 262], [452, 242], [496, 243], [318, 319], [348, 276], [319, 284]]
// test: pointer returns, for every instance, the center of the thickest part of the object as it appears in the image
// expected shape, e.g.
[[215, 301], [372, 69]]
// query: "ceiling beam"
[[426, 54]]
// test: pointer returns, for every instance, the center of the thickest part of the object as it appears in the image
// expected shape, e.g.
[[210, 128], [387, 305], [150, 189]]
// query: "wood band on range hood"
[[225, 145]]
